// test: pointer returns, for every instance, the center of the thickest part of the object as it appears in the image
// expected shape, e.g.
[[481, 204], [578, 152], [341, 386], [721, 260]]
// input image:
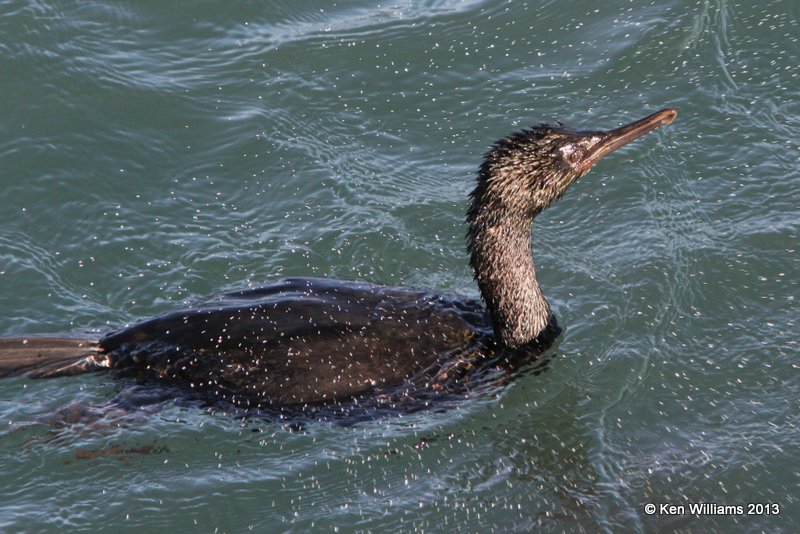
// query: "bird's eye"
[[571, 154]]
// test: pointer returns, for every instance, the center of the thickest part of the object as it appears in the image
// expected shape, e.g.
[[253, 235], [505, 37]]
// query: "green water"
[[152, 155]]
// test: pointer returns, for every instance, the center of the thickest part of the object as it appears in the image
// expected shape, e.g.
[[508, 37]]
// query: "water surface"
[[152, 156]]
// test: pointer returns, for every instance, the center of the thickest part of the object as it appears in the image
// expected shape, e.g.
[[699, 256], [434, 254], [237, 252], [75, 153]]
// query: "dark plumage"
[[310, 342]]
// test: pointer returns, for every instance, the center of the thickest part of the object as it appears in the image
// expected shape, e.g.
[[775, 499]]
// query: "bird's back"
[[306, 341]]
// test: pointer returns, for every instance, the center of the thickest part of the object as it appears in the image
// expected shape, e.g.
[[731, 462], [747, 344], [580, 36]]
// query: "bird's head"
[[528, 170]]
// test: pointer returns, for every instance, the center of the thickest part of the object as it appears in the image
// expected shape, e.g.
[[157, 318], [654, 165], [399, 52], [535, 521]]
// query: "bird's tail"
[[46, 356]]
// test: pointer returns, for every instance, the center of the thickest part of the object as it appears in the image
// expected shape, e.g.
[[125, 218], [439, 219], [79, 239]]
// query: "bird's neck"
[[502, 258]]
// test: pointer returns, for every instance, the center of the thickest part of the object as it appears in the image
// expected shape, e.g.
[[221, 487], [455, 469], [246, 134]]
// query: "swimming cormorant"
[[305, 342]]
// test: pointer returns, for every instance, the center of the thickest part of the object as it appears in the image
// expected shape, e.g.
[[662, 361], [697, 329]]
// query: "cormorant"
[[306, 342]]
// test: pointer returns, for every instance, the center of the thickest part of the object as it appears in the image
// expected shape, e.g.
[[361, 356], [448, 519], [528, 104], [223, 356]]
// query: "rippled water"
[[151, 156]]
